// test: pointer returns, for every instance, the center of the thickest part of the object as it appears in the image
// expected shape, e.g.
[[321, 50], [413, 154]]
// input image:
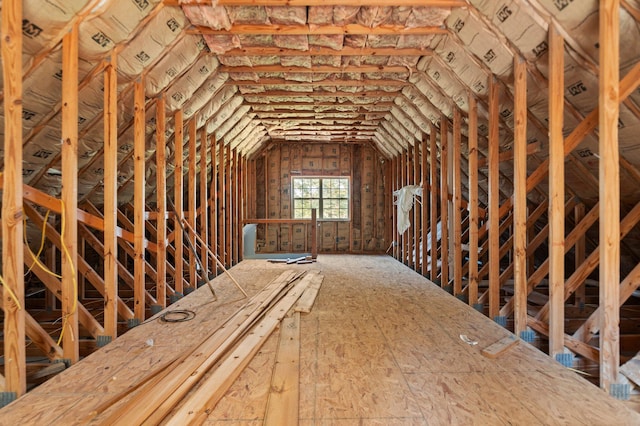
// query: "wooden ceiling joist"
[[353, 29], [281, 104], [338, 94], [378, 69], [291, 3], [326, 51], [326, 82]]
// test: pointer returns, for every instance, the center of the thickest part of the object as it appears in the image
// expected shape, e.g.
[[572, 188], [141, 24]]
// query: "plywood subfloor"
[[381, 346]]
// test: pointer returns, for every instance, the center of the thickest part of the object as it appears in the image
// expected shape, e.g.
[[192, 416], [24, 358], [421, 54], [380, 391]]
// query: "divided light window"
[[330, 196]]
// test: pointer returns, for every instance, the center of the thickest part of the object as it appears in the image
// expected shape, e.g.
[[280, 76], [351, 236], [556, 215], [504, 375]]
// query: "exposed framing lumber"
[[138, 197], [178, 191], [627, 85], [417, 206], [580, 253], [266, 81], [222, 255], [228, 208], [444, 201], [237, 194], [326, 51], [494, 200], [37, 335], [83, 267], [204, 213], [520, 195], [55, 286], [592, 325], [433, 184], [609, 176], [457, 201], [319, 95], [161, 204], [319, 30], [429, 3], [12, 228], [191, 198], [556, 192], [531, 148], [110, 206], [213, 196], [123, 273], [473, 200], [69, 234], [403, 181], [424, 164]]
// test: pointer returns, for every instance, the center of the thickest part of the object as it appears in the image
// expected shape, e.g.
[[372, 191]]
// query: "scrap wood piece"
[[309, 297], [631, 369], [496, 349], [196, 407], [284, 393]]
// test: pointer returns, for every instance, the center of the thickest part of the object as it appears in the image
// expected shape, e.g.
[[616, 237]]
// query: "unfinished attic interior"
[[320, 212]]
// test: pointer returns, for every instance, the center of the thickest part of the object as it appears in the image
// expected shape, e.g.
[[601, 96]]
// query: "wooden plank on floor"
[[195, 408], [284, 393], [165, 394], [496, 349], [309, 297]]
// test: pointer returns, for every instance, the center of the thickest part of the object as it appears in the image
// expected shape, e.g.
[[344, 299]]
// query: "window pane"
[[332, 193]]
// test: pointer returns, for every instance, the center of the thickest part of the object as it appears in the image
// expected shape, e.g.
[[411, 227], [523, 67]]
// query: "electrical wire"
[[74, 308], [36, 257], [178, 315], [11, 293]]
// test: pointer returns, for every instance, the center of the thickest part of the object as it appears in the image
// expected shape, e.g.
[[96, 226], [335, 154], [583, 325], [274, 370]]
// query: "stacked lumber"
[[167, 393]]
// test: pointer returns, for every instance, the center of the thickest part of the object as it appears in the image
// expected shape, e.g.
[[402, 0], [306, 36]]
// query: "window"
[[330, 196]]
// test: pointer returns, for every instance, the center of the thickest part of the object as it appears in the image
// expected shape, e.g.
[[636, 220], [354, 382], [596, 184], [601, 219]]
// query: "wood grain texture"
[[178, 191], [192, 197], [381, 346], [473, 200], [12, 196], [494, 200], [556, 192], [69, 194], [138, 199], [284, 393], [161, 204], [433, 203], [444, 201], [520, 196], [609, 177], [457, 201], [110, 207]]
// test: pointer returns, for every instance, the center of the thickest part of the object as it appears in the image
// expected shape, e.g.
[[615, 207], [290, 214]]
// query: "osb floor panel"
[[380, 347]]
